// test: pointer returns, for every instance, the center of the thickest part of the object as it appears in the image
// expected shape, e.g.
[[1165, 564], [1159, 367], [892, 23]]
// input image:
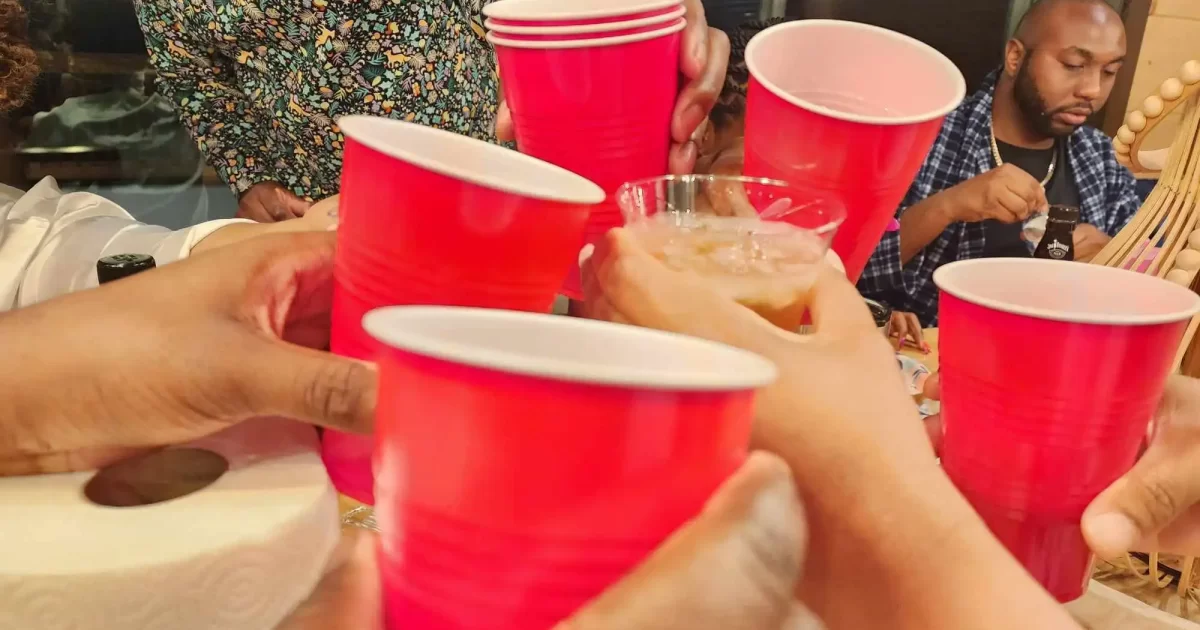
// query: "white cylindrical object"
[[239, 554]]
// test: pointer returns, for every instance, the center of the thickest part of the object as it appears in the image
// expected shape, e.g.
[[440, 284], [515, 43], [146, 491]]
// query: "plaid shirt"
[[1107, 194]]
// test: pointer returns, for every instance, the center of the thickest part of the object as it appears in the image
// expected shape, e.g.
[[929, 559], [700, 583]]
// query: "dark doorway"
[[970, 32]]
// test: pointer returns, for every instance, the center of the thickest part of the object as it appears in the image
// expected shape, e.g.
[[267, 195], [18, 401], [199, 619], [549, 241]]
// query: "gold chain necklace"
[[1000, 161]]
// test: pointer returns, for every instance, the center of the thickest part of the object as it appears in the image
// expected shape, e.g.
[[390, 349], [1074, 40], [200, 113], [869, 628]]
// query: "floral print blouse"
[[260, 83]]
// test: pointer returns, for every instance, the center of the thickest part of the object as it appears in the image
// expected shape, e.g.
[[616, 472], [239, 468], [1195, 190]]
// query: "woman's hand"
[[732, 568], [321, 217], [270, 202], [841, 417], [703, 60], [176, 353], [825, 371]]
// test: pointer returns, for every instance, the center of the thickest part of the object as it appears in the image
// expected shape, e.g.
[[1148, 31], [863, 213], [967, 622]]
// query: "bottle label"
[[1057, 250]]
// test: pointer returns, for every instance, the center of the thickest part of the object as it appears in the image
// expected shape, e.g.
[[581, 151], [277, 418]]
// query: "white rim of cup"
[[948, 66], [603, 27], [944, 278], [549, 182], [551, 44], [826, 230], [557, 10], [729, 369]]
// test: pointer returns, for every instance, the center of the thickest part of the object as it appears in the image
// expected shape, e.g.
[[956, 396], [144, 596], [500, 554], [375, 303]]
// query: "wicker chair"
[[1170, 218]]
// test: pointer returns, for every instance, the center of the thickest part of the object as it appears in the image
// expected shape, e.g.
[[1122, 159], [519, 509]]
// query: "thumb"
[[733, 568], [1145, 509], [279, 378]]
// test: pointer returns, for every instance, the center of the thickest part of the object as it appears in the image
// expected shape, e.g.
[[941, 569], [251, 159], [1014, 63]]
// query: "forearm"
[[902, 549], [42, 341], [923, 222]]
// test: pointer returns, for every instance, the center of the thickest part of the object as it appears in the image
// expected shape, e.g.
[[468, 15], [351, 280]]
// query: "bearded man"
[[1016, 146]]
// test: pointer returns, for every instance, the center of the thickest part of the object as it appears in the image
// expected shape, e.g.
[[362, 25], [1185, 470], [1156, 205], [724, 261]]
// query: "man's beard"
[[1034, 108]]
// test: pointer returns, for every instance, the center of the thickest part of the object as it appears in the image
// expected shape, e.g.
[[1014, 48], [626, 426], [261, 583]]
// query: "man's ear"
[[1014, 56]]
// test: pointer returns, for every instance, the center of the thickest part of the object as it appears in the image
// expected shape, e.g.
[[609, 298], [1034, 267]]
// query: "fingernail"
[[683, 158], [700, 135], [691, 119], [1113, 531]]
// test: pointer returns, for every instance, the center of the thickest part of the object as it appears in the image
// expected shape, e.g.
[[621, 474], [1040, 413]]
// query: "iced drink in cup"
[[759, 242]]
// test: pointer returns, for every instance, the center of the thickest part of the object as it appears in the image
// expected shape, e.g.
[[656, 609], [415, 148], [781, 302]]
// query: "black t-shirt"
[[1003, 240]]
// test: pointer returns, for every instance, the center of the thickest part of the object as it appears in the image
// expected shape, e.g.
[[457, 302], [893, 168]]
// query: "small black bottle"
[[881, 312], [1058, 243], [120, 266]]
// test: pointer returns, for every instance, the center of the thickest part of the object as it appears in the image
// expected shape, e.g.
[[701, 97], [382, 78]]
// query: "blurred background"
[[95, 123]]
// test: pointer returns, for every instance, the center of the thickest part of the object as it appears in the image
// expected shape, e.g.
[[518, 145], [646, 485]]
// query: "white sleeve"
[[50, 242]]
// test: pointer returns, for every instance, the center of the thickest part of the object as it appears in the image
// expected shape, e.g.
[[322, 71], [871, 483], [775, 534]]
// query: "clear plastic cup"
[[760, 242]]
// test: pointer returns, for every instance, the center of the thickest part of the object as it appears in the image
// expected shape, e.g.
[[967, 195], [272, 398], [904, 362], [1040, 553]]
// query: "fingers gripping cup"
[[757, 241], [848, 109], [431, 217], [1050, 373], [526, 462]]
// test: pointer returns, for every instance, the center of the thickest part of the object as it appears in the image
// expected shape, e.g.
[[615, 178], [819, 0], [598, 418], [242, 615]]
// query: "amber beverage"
[[765, 266]]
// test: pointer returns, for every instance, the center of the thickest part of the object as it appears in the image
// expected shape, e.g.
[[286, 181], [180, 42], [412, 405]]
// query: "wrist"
[[949, 207], [34, 395], [880, 522]]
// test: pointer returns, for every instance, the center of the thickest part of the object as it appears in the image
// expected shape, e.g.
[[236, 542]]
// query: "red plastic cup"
[[598, 107], [847, 108], [584, 31], [526, 462], [1050, 373], [575, 13], [431, 217]]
